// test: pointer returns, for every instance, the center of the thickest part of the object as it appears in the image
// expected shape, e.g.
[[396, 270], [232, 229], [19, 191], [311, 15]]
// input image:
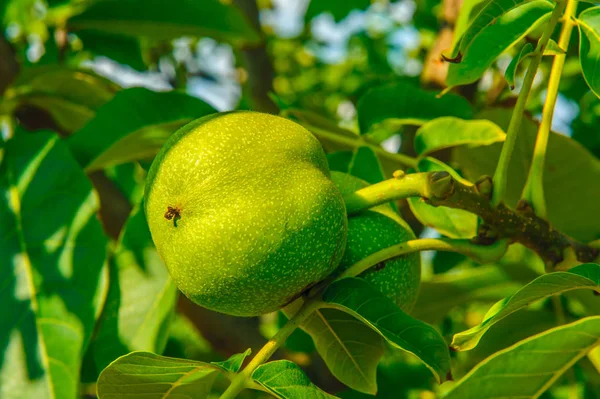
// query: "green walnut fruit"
[[373, 230], [243, 212]]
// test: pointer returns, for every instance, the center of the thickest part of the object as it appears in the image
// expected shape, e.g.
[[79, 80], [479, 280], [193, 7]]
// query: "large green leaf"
[[52, 268], [70, 96], [133, 126], [143, 375], [454, 223], [579, 277], [141, 298], [285, 380], [401, 103], [528, 368], [123, 49], [447, 132], [350, 349], [362, 300], [570, 175], [589, 47], [492, 39], [163, 21], [339, 9]]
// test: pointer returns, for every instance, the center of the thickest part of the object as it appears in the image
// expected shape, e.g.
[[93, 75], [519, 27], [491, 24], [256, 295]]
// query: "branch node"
[[441, 185], [485, 187]]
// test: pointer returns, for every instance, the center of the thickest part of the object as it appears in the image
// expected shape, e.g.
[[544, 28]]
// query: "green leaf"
[[286, 380], [350, 349], [570, 174], [52, 268], [444, 292], [143, 375], [466, 15], [338, 8], [447, 132], [454, 223], [402, 103], [488, 15], [528, 368], [365, 165], [579, 277], [156, 20], [589, 47], [483, 44], [123, 49], [133, 126], [234, 363], [70, 96], [141, 298], [360, 299], [511, 70]]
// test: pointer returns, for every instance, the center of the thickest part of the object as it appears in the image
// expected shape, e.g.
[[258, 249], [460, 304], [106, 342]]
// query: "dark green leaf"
[[402, 103], [338, 8], [52, 268], [70, 96], [350, 349], [340, 160], [570, 174], [589, 47], [511, 71], [360, 299], [579, 277], [286, 380], [123, 49], [143, 375], [494, 38], [454, 223], [447, 132], [234, 363], [141, 298], [366, 166], [133, 126], [163, 21], [528, 368]]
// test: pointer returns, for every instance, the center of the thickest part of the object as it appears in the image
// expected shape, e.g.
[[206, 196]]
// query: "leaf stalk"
[[500, 176]]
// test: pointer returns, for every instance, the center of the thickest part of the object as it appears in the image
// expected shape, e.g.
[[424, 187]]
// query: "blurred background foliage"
[[62, 61]]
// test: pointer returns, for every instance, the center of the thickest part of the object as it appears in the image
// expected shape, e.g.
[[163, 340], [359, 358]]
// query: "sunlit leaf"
[[579, 277], [589, 46], [447, 132], [133, 126], [163, 21], [52, 268], [528, 368], [141, 298], [497, 34], [402, 103], [286, 380], [144, 375], [362, 300]]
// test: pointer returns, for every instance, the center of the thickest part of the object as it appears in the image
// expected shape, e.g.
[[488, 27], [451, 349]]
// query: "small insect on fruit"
[[173, 214]]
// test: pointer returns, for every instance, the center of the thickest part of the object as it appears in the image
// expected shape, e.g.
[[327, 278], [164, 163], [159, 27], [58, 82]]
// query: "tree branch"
[[441, 189]]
